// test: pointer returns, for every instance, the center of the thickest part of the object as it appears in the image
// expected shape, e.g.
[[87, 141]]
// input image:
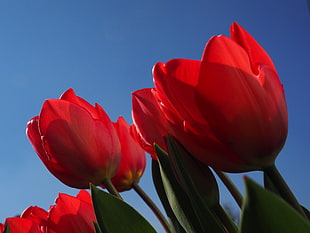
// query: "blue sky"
[[105, 50]]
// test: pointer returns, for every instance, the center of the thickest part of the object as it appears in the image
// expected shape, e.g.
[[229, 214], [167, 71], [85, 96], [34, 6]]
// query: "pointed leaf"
[[179, 201], [158, 183], [7, 229], [200, 185], [194, 174], [114, 215], [271, 187], [263, 211]]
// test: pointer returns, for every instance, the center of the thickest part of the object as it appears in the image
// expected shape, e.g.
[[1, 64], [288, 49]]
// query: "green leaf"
[[7, 229], [114, 215], [271, 187], [200, 185], [178, 200], [193, 174], [264, 211], [159, 186]]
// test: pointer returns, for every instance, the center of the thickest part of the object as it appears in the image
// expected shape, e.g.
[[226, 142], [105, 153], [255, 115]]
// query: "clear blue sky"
[[105, 50]]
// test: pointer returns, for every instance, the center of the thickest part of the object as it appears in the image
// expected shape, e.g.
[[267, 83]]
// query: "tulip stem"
[[111, 188], [225, 219], [152, 206], [284, 190], [231, 187]]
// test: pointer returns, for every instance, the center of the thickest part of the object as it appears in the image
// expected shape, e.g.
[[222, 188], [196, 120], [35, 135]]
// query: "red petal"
[[22, 225], [133, 160], [1, 227], [223, 50], [83, 195], [51, 164], [35, 214], [34, 136], [148, 118], [209, 150], [70, 96], [79, 143], [256, 53], [239, 109], [70, 215], [175, 82]]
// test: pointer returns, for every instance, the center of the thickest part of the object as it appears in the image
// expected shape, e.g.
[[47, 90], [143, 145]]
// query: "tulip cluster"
[[226, 111], [68, 215]]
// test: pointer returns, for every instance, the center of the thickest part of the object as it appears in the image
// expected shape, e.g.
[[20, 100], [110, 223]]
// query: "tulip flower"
[[72, 214], [228, 110], [69, 215], [133, 158], [75, 140]]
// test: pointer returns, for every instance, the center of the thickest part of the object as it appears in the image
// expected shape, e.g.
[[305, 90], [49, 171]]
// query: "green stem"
[[111, 188], [231, 187], [152, 206], [225, 219], [285, 192]]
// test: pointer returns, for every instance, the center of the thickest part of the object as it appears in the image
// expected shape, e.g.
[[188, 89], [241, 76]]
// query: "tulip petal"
[[36, 214], [33, 133], [208, 149], [172, 80], [240, 111], [51, 164], [71, 214], [223, 50], [1, 227], [83, 195], [78, 142], [70, 96], [256, 53], [148, 119], [22, 225]]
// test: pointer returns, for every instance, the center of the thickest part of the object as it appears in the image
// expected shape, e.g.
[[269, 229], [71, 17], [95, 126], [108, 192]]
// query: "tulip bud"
[[75, 140], [133, 160]]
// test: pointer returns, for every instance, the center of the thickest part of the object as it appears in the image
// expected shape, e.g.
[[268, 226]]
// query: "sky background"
[[105, 50]]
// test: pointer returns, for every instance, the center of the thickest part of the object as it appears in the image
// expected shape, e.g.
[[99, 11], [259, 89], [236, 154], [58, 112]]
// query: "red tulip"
[[133, 158], [228, 109], [75, 140], [72, 214], [248, 112]]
